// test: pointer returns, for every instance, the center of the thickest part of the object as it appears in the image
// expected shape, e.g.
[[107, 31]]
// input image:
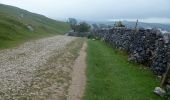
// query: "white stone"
[[159, 91]]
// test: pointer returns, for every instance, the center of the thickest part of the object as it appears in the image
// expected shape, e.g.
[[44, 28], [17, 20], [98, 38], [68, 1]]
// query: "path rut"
[[77, 88]]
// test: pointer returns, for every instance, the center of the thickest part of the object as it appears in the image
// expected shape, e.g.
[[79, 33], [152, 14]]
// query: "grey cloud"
[[96, 9]]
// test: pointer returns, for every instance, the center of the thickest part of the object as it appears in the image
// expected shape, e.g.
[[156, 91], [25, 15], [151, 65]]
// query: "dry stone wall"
[[145, 46]]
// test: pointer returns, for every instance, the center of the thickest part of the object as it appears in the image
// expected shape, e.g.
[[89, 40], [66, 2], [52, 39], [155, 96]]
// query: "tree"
[[95, 26], [73, 23], [119, 24], [83, 27]]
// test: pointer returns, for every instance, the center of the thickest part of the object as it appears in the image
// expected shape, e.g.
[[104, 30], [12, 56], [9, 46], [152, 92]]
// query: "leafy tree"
[[95, 26], [73, 23], [83, 27], [119, 24]]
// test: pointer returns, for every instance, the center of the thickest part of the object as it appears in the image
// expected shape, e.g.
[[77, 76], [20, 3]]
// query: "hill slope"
[[17, 25], [131, 24], [165, 27]]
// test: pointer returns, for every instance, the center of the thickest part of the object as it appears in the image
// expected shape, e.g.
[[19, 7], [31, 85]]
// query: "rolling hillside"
[[165, 27], [131, 24], [17, 26]]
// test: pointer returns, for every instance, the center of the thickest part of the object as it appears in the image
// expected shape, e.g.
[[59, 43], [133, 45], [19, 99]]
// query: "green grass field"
[[111, 77], [14, 24]]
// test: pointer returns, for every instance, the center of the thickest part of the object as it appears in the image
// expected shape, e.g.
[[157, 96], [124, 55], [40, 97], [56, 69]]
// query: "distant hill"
[[18, 25], [164, 27], [130, 24]]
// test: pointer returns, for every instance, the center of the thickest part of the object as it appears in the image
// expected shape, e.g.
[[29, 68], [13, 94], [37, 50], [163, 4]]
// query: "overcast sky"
[[98, 10]]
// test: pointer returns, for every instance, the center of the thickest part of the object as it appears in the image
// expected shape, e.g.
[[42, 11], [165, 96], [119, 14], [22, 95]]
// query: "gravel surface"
[[18, 65]]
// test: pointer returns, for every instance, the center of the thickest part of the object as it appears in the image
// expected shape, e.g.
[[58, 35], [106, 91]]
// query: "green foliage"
[[95, 26], [111, 77], [14, 26], [119, 24], [83, 27], [78, 27], [73, 23]]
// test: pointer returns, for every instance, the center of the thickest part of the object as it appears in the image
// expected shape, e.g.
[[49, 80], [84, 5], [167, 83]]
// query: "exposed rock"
[[167, 87], [159, 91], [30, 28], [22, 15]]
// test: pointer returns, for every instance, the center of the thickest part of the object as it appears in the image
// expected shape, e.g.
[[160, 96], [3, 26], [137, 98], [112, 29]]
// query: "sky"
[[155, 11]]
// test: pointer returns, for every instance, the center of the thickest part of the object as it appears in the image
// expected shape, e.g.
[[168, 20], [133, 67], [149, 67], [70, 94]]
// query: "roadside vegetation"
[[119, 24], [18, 26], [79, 27], [111, 77]]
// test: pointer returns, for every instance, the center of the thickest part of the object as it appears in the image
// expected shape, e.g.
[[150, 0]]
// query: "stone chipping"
[[18, 65]]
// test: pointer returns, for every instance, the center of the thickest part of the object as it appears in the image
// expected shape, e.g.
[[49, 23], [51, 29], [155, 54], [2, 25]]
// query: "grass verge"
[[111, 77]]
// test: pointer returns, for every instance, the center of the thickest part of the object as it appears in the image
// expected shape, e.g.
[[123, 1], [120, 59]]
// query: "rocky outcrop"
[[30, 28]]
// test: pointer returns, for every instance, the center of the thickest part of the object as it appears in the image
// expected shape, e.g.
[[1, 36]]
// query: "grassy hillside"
[[17, 25]]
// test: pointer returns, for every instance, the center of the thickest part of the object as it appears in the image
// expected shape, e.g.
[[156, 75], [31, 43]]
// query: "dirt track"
[[38, 69], [77, 88]]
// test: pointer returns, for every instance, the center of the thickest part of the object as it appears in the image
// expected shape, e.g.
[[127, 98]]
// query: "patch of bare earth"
[[38, 70], [77, 87]]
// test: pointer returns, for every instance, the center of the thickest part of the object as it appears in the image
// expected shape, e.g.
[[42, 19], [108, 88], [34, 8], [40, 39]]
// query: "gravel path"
[[18, 65]]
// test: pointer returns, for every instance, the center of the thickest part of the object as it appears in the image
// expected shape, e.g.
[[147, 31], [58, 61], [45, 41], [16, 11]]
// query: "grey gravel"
[[18, 64]]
